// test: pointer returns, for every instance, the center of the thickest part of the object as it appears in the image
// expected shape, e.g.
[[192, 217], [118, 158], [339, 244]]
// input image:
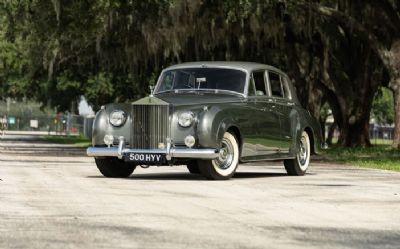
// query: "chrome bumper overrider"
[[170, 152]]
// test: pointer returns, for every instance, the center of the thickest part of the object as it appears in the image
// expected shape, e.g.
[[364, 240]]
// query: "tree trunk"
[[396, 96], [351, 114], [355, 133], [322, 123], [331, 132], [394, 58], [390, 59], [304, 68]]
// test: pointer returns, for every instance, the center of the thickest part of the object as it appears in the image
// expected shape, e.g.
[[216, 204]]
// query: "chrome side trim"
[[195, 153]]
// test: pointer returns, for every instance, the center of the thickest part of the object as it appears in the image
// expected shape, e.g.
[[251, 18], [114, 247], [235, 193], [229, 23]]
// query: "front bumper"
[[170, 152]]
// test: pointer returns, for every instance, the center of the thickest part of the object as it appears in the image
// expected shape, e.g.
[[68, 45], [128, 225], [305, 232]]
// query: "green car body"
[[267, 127]]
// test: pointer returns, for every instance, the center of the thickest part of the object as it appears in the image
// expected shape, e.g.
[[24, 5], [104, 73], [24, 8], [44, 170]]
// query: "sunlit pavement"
[[52, 196]]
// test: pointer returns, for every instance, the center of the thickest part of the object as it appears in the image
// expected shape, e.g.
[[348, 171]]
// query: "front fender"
[[212, 125], [102, 126]]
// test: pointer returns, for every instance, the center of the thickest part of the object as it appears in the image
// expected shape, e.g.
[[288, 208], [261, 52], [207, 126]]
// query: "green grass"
[[79, 141], [374, 141], [380, 141], [378, 156]]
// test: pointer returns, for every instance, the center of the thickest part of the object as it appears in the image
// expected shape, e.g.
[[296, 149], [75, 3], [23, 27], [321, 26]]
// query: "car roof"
[[247, 66]]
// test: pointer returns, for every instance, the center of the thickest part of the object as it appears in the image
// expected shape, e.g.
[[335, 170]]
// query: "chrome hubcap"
[[225, 158], [303, 151]]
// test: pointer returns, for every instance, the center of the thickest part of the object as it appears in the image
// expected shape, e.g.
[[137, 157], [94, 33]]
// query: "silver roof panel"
[[248, 66]]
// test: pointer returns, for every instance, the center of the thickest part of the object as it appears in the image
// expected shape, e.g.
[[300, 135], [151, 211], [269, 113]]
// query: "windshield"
[[197, 79]]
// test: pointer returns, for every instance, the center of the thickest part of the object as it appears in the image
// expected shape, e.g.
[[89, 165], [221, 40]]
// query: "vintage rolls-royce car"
[[210, 116]]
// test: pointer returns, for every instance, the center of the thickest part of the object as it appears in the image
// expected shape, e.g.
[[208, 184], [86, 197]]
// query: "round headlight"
[[185, 119], [117, 118]]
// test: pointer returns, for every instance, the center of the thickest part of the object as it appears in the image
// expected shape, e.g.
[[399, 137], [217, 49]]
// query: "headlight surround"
[[185, 119], [117, 118]]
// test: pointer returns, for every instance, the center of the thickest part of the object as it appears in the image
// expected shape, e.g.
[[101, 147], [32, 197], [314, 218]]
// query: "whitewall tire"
[[299, 165], [224, 166]]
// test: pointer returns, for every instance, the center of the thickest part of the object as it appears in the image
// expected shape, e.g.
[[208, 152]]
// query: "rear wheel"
[[113, 167], [224, 166], [299, 165]]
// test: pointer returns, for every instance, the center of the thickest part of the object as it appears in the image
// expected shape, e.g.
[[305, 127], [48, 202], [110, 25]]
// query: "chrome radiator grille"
[[150, 126]]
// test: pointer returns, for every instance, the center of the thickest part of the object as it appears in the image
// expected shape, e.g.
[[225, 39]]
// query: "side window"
[[275, 84], [286, 89], [251, 91], [259, 83], [167, 81]]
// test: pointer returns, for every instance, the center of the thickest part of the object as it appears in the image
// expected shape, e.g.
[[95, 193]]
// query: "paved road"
[[59, 200]]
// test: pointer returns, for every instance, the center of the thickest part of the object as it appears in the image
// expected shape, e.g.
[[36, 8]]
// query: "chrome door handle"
[[290, 104]]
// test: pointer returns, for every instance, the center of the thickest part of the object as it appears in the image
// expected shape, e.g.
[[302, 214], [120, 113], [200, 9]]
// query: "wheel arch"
[[215, 122], [310, 134], [236, 132]]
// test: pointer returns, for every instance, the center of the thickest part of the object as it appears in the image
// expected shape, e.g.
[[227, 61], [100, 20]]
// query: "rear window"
[[275, 84], [259, 82]]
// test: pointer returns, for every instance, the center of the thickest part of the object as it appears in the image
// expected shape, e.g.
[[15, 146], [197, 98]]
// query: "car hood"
[[182, 99]]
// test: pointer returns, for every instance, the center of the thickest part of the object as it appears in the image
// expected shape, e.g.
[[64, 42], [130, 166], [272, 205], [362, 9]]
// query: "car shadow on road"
[[258, 174], [159, 176], [194, 177]]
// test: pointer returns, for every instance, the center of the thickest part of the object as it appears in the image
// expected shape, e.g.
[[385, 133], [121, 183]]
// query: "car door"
[[280, 93], [266, 137], [249, 126]]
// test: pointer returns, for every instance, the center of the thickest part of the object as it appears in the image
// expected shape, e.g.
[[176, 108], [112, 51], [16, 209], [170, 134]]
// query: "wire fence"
[[378, 134], [67, 124], [381, 134]]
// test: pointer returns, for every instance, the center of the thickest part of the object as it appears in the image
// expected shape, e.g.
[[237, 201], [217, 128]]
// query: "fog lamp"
[[190, 141], [108, 140]]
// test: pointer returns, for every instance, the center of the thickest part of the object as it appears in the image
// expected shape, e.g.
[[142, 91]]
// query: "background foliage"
[[338, 52]]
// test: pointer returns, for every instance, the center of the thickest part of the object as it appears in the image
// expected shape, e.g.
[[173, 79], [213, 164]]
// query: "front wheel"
[[224, 166], [113, 167], [299, 165], [193, 167]]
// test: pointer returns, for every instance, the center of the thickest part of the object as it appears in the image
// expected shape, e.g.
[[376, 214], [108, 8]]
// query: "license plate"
[[145, 157]]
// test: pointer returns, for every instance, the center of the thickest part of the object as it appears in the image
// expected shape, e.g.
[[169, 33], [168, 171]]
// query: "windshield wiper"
[[199, 91], [215, 91], [166, 91]]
